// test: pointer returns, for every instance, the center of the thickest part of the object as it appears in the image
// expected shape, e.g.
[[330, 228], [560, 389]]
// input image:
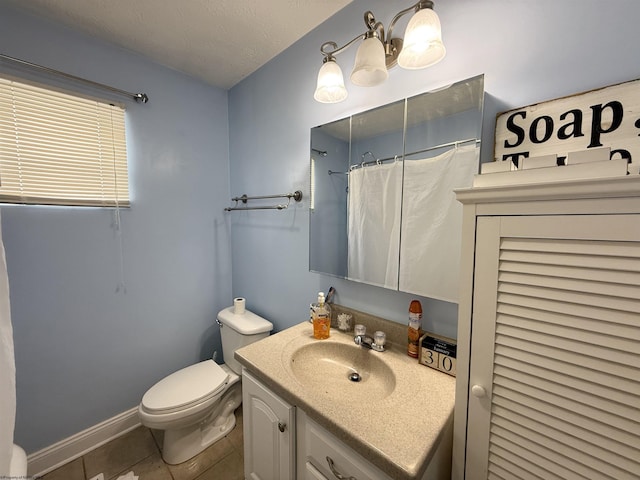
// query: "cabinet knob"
[[282, 426], [478, 391]]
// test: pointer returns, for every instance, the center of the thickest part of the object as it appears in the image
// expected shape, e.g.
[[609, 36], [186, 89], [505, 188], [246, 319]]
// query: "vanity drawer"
[[312, 473], [316, 445]]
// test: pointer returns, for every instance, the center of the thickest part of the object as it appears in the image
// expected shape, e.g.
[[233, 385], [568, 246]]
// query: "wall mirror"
[[383, 210]]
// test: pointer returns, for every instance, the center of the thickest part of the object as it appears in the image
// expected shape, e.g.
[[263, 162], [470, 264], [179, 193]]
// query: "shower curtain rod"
[[380, 160], [138, 97]]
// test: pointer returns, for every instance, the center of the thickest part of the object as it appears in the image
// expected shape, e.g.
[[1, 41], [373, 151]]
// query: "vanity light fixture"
[[421, 47]]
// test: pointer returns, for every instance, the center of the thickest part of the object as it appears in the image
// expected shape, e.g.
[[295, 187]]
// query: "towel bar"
[[297, 196]]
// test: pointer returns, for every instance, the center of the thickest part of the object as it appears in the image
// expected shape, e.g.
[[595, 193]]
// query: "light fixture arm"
[[372, 30], [373, 26], [336, 50], [393, 46], [413, 8]]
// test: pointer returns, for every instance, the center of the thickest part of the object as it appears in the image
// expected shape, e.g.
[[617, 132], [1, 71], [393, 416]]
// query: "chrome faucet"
[[366, 341]]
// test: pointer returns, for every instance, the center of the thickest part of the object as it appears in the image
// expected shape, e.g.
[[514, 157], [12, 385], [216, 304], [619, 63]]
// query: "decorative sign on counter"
[[607, 117], [438, 352]]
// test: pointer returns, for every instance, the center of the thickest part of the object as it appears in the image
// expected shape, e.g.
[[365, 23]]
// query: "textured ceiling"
[[218, 41]]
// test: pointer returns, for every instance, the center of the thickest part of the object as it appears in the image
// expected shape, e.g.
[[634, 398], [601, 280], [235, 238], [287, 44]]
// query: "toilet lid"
[[190, 385]]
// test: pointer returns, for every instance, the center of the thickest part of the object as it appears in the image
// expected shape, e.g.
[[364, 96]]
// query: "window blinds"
[[60, 149]]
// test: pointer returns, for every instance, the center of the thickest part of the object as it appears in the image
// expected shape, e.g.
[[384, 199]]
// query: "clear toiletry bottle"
[[321, 316]]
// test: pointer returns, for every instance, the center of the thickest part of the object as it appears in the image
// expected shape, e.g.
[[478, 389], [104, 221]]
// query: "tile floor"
[[139, 451]]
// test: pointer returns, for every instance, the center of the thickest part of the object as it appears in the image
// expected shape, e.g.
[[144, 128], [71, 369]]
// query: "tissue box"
[[438, 352]]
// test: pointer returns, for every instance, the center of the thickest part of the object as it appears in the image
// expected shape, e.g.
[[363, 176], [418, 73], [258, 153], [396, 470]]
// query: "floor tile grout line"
[[130, 467], [231, 452]]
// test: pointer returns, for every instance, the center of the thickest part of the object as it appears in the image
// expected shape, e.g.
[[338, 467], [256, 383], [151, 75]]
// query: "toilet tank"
[[240, 330]]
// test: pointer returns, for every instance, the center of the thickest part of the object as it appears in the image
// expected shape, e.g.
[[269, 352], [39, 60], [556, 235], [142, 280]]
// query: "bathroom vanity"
[[396, 423]]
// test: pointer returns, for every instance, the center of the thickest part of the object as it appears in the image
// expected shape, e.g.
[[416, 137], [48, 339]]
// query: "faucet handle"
[[359, 330], [380, 338]]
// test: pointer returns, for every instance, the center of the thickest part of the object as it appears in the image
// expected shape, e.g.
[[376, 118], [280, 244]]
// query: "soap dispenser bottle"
[[321, 317]]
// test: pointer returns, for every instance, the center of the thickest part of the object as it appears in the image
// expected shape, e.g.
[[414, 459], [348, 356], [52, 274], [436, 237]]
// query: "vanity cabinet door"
[[553, 379], [269, 433], [322, 456]]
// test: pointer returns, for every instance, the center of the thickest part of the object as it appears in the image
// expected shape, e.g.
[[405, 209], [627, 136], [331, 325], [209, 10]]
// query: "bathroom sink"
[[328, 367]]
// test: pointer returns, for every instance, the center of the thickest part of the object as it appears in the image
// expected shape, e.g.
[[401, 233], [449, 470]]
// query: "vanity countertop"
[[399, 434]]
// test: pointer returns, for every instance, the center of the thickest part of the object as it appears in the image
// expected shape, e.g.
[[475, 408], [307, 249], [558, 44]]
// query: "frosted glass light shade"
[[370, 68], [422, 41], [330, 87]]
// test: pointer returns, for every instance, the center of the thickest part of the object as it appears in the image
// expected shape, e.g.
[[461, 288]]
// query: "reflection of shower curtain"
[[374, 224], [7, 371], [431, 219]]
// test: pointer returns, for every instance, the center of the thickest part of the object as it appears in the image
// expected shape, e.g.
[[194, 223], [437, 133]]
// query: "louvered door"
[[554, 379]]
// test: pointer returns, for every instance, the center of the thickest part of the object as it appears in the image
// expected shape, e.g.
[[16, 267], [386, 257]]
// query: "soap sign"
[[607, 117]]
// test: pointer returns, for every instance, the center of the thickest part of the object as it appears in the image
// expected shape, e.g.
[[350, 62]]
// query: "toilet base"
[[181, 444]]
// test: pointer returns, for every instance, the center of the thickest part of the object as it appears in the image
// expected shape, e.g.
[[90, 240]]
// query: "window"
[[58, 148]]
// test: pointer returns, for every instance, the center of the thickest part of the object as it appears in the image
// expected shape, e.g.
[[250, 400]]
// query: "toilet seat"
[[192, 385]]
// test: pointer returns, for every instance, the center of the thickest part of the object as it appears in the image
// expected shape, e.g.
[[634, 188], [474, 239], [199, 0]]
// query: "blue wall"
[[85, 352], [528, 51]]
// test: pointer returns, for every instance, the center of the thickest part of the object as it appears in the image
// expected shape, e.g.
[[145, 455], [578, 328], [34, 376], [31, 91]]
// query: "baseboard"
[[75, 446]]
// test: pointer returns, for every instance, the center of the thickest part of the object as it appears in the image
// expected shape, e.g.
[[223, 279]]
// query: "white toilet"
[[195, 406]]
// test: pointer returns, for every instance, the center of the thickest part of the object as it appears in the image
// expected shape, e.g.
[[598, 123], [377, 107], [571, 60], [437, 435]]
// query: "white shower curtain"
[[374, 224], [7, 371], [431, 220]]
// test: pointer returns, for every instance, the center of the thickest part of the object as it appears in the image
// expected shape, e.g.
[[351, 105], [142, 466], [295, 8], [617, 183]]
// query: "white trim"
[[75, 446], [598, 188]]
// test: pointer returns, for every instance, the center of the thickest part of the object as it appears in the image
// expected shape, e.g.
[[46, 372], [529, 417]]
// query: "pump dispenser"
[[321, 317]]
